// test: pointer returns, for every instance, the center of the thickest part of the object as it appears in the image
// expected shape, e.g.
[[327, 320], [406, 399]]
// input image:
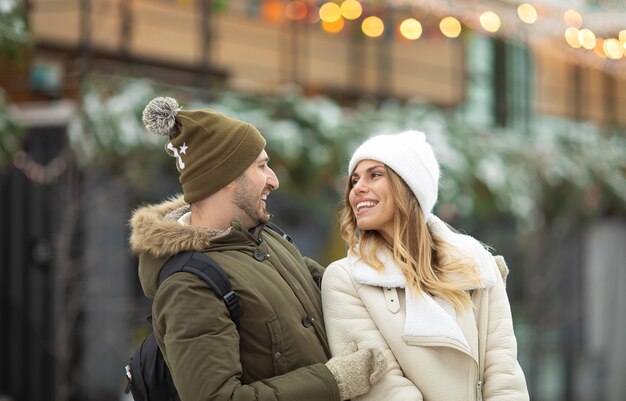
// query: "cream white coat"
[[433, 353]]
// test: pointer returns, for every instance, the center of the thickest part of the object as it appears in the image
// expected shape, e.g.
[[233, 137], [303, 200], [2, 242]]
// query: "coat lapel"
[[426, 316]]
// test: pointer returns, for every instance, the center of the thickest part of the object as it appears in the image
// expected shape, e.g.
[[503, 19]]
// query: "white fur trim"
[[426, 315], [431, 317], [185, 219]]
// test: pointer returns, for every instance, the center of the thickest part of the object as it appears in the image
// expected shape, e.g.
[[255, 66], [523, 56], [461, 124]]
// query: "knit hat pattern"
[[210, 149], [411, 157]]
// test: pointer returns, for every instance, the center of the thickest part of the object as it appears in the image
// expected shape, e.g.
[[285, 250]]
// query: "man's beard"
[[248, 201]]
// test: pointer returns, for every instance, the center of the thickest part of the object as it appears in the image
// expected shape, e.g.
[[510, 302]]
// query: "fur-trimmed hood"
[[156, 235], [155, 230]]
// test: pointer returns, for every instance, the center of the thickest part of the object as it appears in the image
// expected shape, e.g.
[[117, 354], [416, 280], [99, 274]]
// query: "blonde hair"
[[426, 261]]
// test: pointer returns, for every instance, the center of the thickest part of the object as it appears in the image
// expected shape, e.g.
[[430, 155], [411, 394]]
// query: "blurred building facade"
[[79, 334]]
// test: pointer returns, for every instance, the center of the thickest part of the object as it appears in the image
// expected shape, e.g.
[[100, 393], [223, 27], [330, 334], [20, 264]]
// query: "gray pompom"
[[159, 116]]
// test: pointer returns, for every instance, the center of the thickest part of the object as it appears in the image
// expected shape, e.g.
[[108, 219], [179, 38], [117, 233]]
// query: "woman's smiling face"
[[371, 198]]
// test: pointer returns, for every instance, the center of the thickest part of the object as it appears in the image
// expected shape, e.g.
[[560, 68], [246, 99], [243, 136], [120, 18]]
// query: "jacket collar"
[[155, 230], [428, 316], [464, 246], [157, 234]]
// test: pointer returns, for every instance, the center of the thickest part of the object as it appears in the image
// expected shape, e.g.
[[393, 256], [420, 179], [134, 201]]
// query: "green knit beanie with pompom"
[[210, 149]]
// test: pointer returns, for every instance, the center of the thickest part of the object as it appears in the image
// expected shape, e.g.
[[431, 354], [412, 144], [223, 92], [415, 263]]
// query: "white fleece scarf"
[[426, 315]]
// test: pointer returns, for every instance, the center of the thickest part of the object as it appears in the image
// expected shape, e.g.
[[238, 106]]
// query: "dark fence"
[[32, 204]]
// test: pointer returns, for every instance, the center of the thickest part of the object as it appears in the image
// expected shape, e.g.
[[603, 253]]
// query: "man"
[[280, 351]]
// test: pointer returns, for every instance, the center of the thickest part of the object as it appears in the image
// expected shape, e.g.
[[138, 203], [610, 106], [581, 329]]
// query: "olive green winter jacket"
[[280, 349]]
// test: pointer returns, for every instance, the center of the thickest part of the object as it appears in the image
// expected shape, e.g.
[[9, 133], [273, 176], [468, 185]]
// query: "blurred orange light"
[[490, 21], [573, 18], [613, 49], [587, 38], [330, 12], [572, 38], [527, 13], [333, 27], [295, 10], [450, 27], [373, 27], [313, 14], [411, 28], [351, 9], [272, 10], [599, 48]]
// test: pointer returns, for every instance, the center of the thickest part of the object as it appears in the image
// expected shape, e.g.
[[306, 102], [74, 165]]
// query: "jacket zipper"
[[479, 373]]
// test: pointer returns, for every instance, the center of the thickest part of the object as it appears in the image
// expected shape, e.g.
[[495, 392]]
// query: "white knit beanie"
[[411, 157]]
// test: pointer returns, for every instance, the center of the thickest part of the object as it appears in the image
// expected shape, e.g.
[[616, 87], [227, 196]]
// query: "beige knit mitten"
[[357, 370]]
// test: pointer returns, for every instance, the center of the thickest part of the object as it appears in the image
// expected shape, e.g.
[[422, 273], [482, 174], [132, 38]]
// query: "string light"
[[334, 26], [550, 24], [613, 49], [572, 38], [351, 9], [313, 12], [373, 26], [41, 173], [272, 11], [490, 21], [587, 38], [573, 18], [411, 29], [330, 12], [502, 19], [296, 10], [450, 27], [527, 13]]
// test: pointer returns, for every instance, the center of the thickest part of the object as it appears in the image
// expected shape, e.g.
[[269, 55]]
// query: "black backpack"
[[148, 376]]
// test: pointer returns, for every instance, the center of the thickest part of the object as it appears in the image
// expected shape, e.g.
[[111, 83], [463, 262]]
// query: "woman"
[[433, 299]]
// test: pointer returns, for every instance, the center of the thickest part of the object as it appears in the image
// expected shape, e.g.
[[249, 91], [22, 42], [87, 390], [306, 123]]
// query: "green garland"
[[10, 132], [14, 33], [486, 172]]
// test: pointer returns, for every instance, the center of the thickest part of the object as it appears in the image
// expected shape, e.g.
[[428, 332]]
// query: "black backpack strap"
[[280, 232], [208, 270]]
